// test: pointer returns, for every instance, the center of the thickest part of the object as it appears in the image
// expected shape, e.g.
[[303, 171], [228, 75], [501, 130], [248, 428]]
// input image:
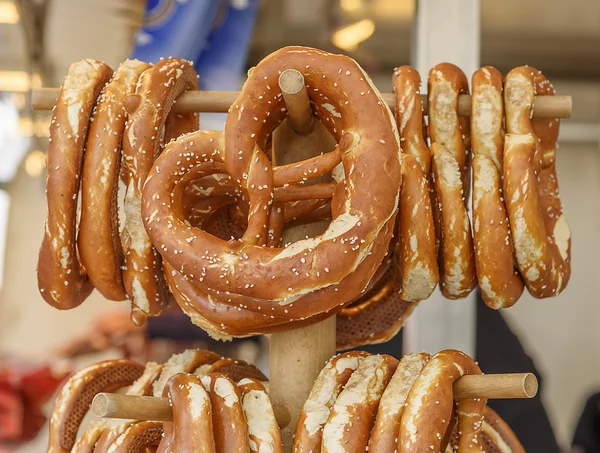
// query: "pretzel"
[[99, 240], [325, 391], [75, 396], [540, 232], [263, 431], [210, 263], [229, 423], [192, 426], [149, 110], [351, 419], [111, 430], [184, 362], [384, 436], [501, 284], [429, 406], [415, 227], [234, 369], [137, 437], [457, 263], [496, 435], [62, 281]]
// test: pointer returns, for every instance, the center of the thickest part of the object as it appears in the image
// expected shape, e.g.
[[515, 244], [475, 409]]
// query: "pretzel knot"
[[252, 287]]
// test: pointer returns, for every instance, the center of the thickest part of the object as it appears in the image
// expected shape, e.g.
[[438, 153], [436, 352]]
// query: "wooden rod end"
[[100, 405], [530, 385], [291, 81], [295, 96]]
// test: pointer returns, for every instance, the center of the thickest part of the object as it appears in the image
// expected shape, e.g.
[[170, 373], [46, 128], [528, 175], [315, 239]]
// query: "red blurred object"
[[23, 392]]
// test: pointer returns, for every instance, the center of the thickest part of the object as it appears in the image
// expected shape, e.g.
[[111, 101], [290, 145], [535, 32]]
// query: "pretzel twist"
[[229, 423], [352, 417], [540, 232], [430, 403], [75, 396], [192, 428], [415, 228], [325, 391], [138, 437], [99, 240], [501, 285], [149, 109], [263, 431], [62, 281]]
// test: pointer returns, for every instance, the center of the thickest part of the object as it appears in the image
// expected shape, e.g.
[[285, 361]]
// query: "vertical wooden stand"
[[297, 356]]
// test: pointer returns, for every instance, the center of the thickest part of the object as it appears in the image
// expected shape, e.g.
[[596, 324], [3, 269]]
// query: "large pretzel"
[[149, 110], [449, 134], [99, 238], [352, 416], [430, 403], [75, 396], [541, 234], [62, 280], [303, 274], [501, 285]]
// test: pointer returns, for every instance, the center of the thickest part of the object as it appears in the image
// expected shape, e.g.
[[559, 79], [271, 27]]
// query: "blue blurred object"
[[175, 28]]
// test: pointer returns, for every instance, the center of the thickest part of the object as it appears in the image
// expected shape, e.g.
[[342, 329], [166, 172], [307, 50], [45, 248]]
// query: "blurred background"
[[39, 40]]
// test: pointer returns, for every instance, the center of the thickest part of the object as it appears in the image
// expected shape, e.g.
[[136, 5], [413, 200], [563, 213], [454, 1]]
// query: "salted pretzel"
[[415, 228], [75, 396], [62, 281], [192, 426], [353, 414], [430, 403], [99, 240], [235, 369], [540, 232], [230, 428], [500, 282], [149, 109], [325, 391], [302, 275], [185, 362], [384, 436], [263, 430], [450, 147], [138, 437]]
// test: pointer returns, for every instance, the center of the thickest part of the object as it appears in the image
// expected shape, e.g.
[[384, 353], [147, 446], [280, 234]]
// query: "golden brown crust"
[[62, 280], [500, 282], [325, 391], [99, 239], [384, 436], [457, 262], [430, 402], [137, 437], [236, 370], [263, 431], [75, 396], [229, 423], [149, 109], [192, 428], [497, 435], [352, 417]]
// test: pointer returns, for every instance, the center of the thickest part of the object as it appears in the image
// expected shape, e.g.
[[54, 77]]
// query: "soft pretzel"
[[149, 110], [496, 435], [351, 419], [62, 280], [457, 263], [541, 234], [75, 396], [501, 285], [384, 436], [263, 431], [229, 423], [445, 84], [184, 362], [138, 437], [430, 403], [99, 239], [305, 268], [323, 395], [192, 428], [234, 369], [415, 228]]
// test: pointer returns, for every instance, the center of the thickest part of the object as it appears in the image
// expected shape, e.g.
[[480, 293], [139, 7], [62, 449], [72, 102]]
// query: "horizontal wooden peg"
[[491, 386], [220, 101]]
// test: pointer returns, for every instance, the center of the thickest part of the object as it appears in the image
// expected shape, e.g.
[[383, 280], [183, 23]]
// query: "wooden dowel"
[[491, 386], [295, 96], [220, 101]]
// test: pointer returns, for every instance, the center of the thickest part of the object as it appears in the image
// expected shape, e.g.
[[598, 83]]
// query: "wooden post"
[[297, 356]]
